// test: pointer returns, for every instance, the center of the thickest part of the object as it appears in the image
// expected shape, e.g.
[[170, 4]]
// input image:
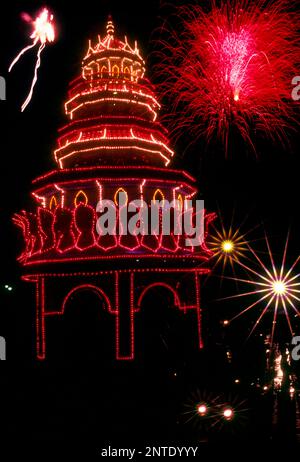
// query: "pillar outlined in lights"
[[113, 142]]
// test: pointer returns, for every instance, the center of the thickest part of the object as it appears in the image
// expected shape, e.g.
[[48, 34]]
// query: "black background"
[[139, 401]]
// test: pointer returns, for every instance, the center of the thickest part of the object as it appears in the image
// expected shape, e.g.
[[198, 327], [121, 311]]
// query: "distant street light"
[[202, 409]]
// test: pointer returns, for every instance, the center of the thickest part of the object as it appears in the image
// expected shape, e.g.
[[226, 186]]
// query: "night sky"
[[261, 194]]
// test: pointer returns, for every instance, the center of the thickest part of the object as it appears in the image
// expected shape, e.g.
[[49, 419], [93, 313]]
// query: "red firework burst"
[[230, 69]]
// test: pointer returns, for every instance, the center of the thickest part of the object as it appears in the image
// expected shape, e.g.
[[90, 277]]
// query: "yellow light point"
[[227, 246], [279, 287]]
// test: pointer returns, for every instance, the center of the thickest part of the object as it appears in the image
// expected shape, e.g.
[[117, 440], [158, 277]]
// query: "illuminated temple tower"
[[111, 143]]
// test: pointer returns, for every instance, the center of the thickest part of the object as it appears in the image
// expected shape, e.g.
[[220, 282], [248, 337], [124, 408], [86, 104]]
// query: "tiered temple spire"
[[112, 143]]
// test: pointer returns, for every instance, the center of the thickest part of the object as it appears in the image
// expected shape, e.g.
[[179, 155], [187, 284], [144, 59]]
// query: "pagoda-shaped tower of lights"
[[112, 143]]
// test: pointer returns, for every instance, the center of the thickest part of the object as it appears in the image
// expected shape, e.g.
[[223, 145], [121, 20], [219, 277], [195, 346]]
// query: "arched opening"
[[117, 197], [85, 332], [126, 72], [81, 198], [159, 327], [115, 71], [158, 331], [158, 196], [53, 203]]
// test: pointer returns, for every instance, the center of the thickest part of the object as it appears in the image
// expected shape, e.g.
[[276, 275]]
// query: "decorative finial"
[[110, 28]]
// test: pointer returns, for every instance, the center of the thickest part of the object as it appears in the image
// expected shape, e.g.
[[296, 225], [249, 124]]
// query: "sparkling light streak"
[[112, 100], [228, 246], [43, 33]]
